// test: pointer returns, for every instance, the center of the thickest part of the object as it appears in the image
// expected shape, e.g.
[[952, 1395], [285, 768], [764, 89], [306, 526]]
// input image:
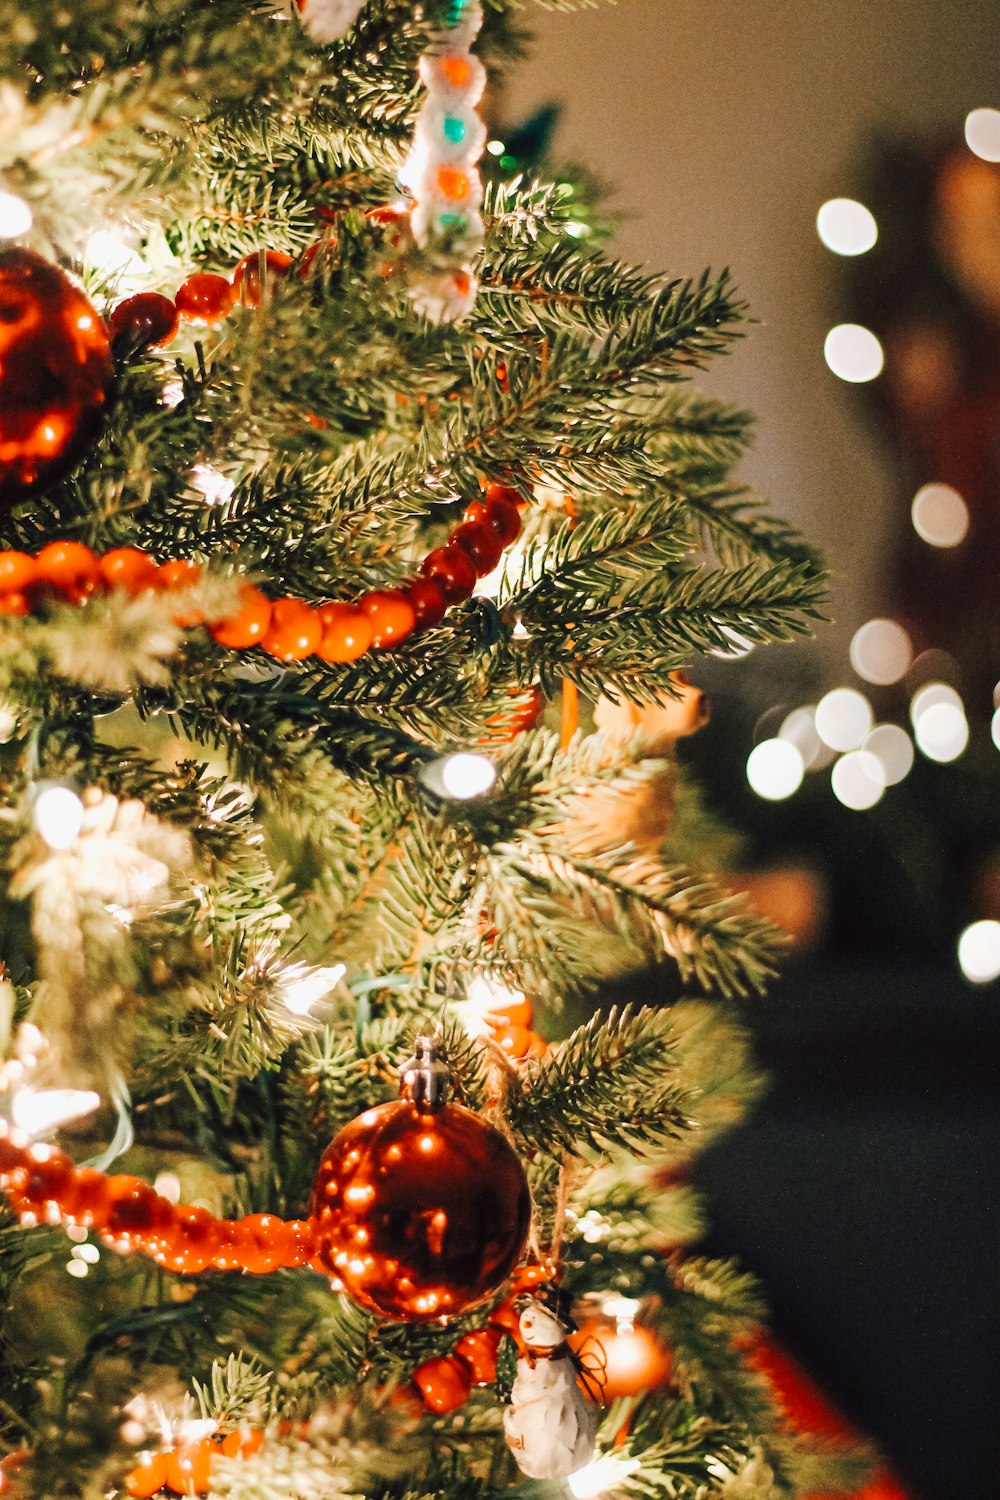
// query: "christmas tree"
[[345, 485]]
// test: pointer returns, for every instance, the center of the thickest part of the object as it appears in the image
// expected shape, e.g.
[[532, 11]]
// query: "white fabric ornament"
[[550, 1424], [328, 20]]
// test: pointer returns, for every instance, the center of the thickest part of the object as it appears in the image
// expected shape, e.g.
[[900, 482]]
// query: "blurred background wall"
[[720, 127]]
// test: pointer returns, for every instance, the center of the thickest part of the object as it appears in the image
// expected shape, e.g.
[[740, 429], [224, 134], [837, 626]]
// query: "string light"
[[982, 133], [37, 1111], [881, 652], [940, 516], [118, 264], [600, 1476], [856, 782], [846, 227], [892, 751], [58, 815], [995, 728], [843, 718], [16, 217], [941, 732], [775, 769], [853, 353], [929, 696], [301, 986], [210, 482], [465, 775], [979, 952]]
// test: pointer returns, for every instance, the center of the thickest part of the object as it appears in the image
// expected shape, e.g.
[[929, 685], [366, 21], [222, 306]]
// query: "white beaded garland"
[[442, 170], [328, 20]]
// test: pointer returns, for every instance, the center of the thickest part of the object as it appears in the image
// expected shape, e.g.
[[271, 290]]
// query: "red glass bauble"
[[55, 372], [147, 319], [444, 1383], [419, 1214], [453, 570], [482, 544]]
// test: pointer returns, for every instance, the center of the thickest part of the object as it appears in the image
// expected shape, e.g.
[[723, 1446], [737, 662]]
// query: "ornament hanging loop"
[[424, 1079]]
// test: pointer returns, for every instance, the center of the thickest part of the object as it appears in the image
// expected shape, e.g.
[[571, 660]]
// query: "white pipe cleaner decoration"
[[442, 170], [328, 20]]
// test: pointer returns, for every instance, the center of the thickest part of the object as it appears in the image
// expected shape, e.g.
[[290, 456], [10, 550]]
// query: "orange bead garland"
[[287, 628]]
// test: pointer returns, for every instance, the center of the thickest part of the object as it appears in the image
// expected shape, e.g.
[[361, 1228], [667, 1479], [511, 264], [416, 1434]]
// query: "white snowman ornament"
[[551, 1423]]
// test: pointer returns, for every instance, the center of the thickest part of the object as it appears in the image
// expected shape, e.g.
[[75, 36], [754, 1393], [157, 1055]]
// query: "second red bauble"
[[420, 1213]]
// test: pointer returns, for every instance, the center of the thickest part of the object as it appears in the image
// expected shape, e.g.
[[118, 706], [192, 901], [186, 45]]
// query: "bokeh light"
[[466, 775], [799, 729], [856, 782], [58, 815], [843, 718], [15, 216], [982, 133], [853, 353], [891, 752], [940, 516], [775, 769], [995, 728], [941, 732], [979, 952], [881, 652], [930, 696], [846, 227]]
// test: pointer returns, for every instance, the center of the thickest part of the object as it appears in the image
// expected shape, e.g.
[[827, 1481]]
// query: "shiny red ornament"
[[452, 569], [444, 1383], [481, 542], [420, 1208], [247, 282], [478, 1350], [205, 298], [56, 372], [635, 1359], [148, 319]]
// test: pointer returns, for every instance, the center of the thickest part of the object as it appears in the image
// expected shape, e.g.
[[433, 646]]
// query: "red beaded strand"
[[286, 628], [43, 1185]]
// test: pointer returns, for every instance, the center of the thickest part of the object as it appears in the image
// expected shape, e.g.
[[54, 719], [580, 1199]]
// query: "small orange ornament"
[[478, 1350], [636, 1361], [17, 571], [71, 568], [243, 1442], [391, 615], [249, 625], [148, 1477], [189, 1468], [204, 298], [347, 632], [444, 1383], [128, 568], [294, 632]]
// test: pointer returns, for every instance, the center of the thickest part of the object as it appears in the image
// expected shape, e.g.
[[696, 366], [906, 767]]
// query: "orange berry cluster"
[[187, 1469], [44, 1185], [510, 1024], [445, 1382], [288, 629]]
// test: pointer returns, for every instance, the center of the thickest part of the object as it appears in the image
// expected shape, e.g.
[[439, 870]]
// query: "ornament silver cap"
[[424, 1079]]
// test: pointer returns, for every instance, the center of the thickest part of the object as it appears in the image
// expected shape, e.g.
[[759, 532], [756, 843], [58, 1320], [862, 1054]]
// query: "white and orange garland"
[[441, 172]]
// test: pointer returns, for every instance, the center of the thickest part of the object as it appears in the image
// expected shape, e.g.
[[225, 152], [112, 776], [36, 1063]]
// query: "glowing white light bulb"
[[36, 1111], [89, 1254], [168, 1185], [78, 1269], [979, 952], [775, 769], [941, 732], [624, 1310], [302, 987], [846, 227], [799, 729], [466, 775], [117, 262], [603, 1474], [16, 217], [843, 718], [58, 816], [982, 133], [940, 516], [496, 148], [891, 750], [216, 487], [929, 696], [856, 782], [881, 651], [995, 728], [486, 993], [853, 353]]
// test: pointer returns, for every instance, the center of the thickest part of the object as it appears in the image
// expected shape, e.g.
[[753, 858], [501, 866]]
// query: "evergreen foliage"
[[283, 822]]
